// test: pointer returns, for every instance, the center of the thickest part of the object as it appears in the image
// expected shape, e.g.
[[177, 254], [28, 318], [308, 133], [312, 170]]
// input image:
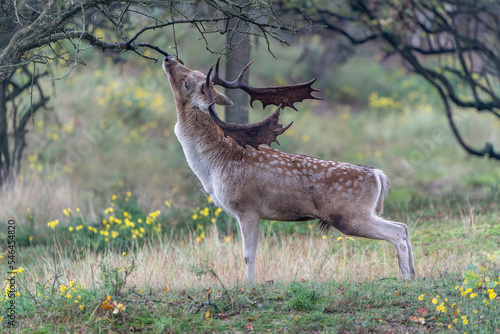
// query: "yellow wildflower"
[[204, 212], [53, 223], [441, 307], [469, 290]]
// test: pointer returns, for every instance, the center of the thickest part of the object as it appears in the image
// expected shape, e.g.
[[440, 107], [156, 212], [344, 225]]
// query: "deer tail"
[[384, 188]]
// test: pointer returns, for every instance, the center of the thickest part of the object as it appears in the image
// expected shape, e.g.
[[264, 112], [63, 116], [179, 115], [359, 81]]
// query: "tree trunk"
[[4, 143], [238, 56]]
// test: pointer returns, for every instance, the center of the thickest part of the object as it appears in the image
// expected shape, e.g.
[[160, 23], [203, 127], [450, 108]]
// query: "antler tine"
[[209, 92], [238, 83]]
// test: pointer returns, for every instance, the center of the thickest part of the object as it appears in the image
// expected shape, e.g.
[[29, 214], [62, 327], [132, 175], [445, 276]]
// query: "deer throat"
[[203, 151]]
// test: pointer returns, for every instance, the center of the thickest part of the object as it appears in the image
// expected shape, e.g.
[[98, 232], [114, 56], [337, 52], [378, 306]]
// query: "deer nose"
[[169, 60]]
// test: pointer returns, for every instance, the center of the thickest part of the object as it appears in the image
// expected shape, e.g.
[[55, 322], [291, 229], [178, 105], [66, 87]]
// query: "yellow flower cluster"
[[201, 214], [338, 238], [53, 224], [8, 292], [491, 293], [474, 284], [71, 291], [132, 96], [116, 223], [441, 308], [383, 102]]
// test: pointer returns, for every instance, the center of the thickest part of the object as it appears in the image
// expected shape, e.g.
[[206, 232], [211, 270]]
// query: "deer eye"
[[186, 85]]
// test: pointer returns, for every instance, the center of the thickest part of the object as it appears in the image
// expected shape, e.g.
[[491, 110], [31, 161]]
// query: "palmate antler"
[[266, 131], [281, 95]]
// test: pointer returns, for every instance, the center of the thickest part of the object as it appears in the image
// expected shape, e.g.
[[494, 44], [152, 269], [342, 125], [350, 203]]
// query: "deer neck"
[[197, 130], [204, 145]]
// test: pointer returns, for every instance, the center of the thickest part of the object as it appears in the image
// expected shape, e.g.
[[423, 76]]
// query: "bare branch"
[[468, 32]]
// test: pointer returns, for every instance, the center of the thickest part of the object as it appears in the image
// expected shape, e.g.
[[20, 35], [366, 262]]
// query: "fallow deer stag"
[[253, 182]]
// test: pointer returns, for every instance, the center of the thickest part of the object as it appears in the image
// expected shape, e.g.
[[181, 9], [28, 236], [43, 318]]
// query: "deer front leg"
[[249, 226]]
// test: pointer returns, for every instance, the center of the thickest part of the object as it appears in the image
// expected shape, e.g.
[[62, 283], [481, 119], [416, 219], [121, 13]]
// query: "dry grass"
[[287, 258], [47, 199]]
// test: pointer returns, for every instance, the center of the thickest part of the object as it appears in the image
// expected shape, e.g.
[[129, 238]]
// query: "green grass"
[[432, 304]]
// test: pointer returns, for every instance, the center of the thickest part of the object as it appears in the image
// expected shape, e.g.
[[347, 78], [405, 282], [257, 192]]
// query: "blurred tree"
[[453, 44], [238, 55], [36, 34]]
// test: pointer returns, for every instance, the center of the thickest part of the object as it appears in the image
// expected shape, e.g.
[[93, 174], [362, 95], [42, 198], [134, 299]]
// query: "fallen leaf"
[[418, 320], [422, 311]]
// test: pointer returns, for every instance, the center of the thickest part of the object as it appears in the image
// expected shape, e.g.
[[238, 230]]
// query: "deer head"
[[186, 82], [190, 87]]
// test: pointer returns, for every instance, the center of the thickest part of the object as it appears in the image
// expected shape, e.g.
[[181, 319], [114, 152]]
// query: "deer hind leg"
[[249, 227], [374, 227], [413, 271]]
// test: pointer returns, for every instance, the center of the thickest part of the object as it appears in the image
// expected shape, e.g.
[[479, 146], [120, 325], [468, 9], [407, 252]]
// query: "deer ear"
[[219, 98], [222, 99]]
